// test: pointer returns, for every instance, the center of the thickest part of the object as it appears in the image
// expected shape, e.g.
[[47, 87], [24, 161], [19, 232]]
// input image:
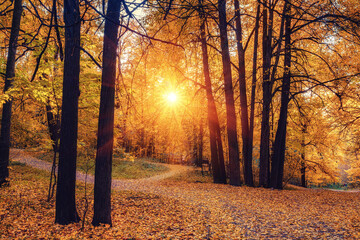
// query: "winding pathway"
[[143, 184]]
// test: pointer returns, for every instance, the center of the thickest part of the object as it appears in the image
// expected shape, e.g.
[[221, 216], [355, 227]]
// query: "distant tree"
[[65, 195], [9, 78], [105, 141], [53, 120], [234, 162], [53, 117]]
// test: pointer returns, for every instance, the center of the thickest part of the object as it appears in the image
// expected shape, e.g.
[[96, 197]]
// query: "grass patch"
[[137, 169], [289, 187], [134, 168], [15, 163], [194, 176]]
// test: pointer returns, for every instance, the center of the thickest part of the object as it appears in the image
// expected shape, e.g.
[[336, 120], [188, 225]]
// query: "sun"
[[172, 97]]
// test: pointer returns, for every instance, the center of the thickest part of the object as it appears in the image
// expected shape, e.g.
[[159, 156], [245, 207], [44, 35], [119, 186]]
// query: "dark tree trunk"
[[234, 162], [254, 71], [54, 121], [65, 195], [216, 148], [195, 146], [303, 170], [302, 164], [103, 165], [267, 96], [9, 78], [54, 126], [245, 131], [264, 176], [126, 142], [201, 142], [151, 146], [54, 132], [278, 160]]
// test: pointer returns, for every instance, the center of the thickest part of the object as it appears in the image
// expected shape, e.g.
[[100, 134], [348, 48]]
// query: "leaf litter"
[[182, 210]]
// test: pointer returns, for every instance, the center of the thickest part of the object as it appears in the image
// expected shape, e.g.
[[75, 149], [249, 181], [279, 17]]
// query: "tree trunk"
[[53, 125], [195, 146], [201, 142], [54, 130], [278, 160], [65, 195], [103, 165], [302, 164], [254, 71], [9, 78], [53, 121], [234, 162], [267, 97], [216, 148], [245, 131]]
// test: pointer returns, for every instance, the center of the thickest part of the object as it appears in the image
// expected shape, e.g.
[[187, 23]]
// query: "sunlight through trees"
[[259, 93]]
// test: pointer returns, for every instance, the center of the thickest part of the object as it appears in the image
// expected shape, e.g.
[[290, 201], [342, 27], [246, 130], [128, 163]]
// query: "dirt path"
[[21, 156], [249, 213], [148, 185]]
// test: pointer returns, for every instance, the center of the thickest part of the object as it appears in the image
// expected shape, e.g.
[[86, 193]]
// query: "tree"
[[234, 163], [269, 74], [245, 130], [105, 138], [254, 73], [65, 195], [9, 78], [278, 158], [53, 121], [303, 159], [266, 101], [216, 148]]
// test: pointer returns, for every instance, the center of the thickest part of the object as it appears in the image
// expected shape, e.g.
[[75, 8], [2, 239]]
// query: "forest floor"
[[165, 208]]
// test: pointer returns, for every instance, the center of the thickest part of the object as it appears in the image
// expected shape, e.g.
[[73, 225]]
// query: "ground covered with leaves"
[[175, 209]]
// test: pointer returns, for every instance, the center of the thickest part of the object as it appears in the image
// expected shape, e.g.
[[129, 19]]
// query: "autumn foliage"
[[258, 94]]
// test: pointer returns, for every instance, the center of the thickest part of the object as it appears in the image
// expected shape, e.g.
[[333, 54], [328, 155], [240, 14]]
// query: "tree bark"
[[65, 195], [278, 160], [9, 78], [216, 148], [245, 131], [105, 140], [234, 163]]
